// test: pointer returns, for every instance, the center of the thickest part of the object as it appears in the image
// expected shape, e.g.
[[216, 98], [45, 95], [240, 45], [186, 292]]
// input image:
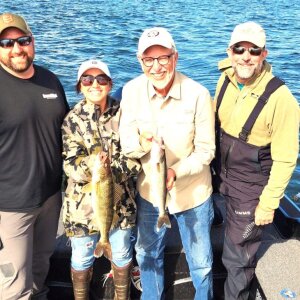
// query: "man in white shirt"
[[180, 109]]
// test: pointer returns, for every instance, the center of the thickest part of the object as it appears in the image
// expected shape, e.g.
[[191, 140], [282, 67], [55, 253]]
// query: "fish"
[[158, 189], [101, 187]]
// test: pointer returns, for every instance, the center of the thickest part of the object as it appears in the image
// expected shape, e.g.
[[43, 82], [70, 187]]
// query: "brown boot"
[[122, 281], [81, 283]]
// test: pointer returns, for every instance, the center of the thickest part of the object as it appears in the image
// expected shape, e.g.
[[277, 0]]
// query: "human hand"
[[171, 178], [100, 162], [145, 140], [263, 216], [103, 157]]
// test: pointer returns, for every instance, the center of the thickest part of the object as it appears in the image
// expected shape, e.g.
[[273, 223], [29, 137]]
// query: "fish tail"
[[163, 220], [103, 249]]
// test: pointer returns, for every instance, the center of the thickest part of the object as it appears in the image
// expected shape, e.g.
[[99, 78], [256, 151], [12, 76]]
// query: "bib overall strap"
[[221, 94], [271, 87], [219, 100]]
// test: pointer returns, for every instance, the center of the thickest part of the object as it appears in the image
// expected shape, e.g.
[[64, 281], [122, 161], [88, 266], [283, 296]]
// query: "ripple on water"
[[69, 32]]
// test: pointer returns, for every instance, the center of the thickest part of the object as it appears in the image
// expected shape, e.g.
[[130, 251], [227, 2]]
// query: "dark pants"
[[28, 242], [245, 171], [242, 239]]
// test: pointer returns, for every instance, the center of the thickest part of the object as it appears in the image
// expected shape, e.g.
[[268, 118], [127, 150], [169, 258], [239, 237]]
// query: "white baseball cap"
[[93, 64], [248, 32], [155, 36]]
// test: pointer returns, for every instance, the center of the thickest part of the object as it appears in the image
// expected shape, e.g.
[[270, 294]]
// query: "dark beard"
[[17, 68]]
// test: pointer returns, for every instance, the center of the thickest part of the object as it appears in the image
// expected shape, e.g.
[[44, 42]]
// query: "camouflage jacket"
[[85, 133]]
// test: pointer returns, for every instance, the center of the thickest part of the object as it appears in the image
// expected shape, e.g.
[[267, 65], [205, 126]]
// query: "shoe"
[[136, 278]]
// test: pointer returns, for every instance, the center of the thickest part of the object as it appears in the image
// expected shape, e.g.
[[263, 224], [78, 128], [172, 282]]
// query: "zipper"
[[227, 158]]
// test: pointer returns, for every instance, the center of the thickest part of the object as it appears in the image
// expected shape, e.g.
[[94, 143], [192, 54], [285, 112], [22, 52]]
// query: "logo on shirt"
[[50, 96], [242, 213]]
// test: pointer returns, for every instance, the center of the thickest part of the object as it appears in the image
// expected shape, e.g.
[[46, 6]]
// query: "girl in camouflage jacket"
[[90, 127]]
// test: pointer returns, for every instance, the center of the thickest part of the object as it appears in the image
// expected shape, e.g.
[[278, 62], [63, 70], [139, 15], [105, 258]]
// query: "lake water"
[[68, 32]]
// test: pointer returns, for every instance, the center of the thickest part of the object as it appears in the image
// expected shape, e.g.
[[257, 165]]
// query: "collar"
[[91, 111], [174, 92]]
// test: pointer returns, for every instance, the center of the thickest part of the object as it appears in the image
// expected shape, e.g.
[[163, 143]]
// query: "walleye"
[[102, 203], [158, 189]]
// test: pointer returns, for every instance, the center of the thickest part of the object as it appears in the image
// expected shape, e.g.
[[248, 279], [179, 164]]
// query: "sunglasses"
[[88, 80], [255, 51], [22, 41]]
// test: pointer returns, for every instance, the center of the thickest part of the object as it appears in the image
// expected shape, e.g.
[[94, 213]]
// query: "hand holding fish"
[[104, 159], [171, 178]]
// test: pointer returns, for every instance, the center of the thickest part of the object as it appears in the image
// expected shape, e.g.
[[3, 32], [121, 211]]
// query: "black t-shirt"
[[31, 114]]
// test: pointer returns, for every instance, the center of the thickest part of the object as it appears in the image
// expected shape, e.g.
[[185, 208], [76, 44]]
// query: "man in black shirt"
[[32, 108]]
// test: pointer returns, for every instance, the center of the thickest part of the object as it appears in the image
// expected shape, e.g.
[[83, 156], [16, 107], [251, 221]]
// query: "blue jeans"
[[83, 249], [194, 227]]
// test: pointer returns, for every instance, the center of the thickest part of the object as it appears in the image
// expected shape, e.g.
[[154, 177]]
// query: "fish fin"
[[107, 251], [98, 252], [103, 249], [163, 220]]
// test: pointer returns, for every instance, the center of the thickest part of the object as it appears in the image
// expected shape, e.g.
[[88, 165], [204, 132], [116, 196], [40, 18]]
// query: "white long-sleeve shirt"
[[185, 120]]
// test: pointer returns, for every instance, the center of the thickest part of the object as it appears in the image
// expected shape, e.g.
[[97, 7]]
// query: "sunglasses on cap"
[[22, 41], [88, 80], [255, 51]]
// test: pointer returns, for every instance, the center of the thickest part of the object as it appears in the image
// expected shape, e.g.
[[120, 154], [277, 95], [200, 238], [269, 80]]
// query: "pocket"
[[240, 160], [187, 116], [225, 149], [78, 206], [242, 229], [265, 160]]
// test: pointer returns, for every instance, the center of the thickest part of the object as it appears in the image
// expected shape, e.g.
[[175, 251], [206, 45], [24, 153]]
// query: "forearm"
[[129, 133], [193, 164], [280, 176], [124, 168], [79, 168], [284, 152]]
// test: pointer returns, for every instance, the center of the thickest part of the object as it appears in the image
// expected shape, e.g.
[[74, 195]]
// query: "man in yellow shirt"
[[258, 150]]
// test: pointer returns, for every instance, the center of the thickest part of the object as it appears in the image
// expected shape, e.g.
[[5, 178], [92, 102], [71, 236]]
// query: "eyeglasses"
[[255, 51], [88, 80], [162, 60], [22, 41]]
